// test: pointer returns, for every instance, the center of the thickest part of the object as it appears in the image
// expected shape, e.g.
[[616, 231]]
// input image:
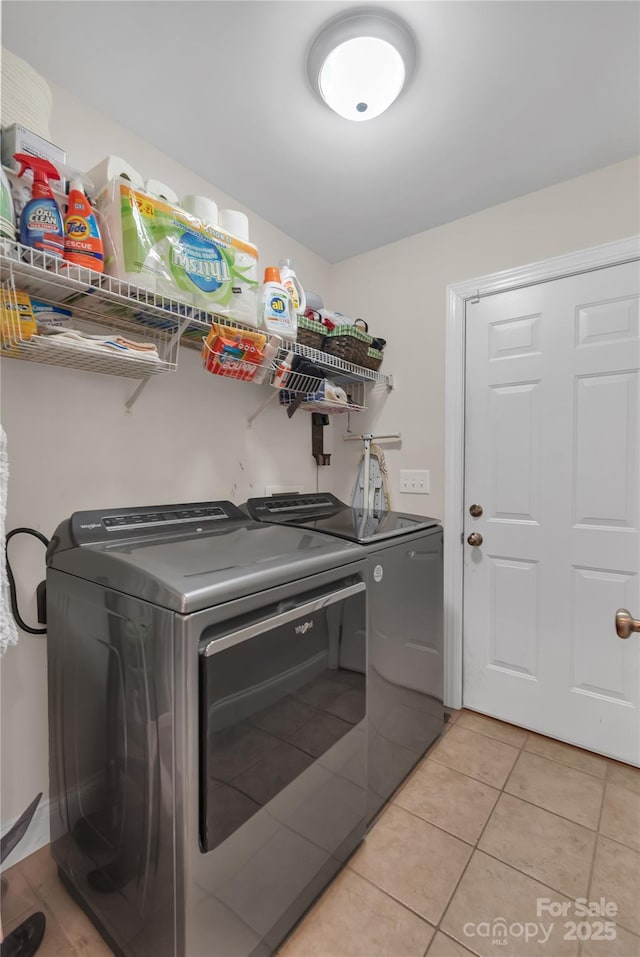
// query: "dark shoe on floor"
[[25, 939]]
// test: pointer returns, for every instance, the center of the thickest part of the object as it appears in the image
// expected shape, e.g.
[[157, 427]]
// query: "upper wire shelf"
[[100, 299], [96, 295]]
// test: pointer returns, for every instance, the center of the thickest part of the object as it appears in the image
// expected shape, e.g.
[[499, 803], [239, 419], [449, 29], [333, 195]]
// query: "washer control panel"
[[106, 524]]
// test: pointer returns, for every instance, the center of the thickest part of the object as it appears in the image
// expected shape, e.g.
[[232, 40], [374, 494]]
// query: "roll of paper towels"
[[161, 191], [234, 222], [201, 207], [110, 168]]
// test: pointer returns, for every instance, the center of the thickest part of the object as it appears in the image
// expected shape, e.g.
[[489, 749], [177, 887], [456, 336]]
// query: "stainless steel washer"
[[207, 734], [405, 627]]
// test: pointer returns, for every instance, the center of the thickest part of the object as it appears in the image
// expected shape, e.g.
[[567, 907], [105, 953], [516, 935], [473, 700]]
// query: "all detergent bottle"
[[292, 284], [276, 309], [40, 220], [82, 241]]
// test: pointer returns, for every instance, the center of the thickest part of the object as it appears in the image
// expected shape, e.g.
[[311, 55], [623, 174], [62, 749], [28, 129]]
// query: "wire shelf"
[[102, 299], [339, 368], [319, 405], [80, 342], [294, 385], [95, 295]]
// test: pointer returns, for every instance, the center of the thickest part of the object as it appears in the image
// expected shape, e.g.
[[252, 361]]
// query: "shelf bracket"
[[133, 398], [254, 415]]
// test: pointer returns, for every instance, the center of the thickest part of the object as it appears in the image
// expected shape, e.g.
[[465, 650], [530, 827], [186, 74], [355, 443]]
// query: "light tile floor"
[[491, 821]]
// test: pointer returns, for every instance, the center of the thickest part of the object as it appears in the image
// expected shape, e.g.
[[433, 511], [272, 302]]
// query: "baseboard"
[[38, 834]]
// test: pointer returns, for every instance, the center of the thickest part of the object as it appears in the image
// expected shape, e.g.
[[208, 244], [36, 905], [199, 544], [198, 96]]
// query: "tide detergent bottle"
[[40, 220], [82, 242]]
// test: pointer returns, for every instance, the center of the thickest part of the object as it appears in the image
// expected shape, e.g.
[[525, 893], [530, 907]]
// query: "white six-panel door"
[[552, 456]]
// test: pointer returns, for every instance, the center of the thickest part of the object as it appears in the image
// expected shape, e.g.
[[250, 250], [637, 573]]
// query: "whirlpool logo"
[[303, 628]]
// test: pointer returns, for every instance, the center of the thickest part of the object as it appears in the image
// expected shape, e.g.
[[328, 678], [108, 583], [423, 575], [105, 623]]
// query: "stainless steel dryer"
[[207, 736], [405, 627]]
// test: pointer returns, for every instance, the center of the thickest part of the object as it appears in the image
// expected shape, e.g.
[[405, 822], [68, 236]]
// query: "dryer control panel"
[[103, 525]]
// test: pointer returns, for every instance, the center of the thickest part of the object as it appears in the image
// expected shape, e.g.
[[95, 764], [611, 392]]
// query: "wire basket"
[[318, 395], [220, 363], [315, 402], [86, 339]]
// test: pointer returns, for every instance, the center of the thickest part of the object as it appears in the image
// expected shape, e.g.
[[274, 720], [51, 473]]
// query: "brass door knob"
[[475, 539], [625, 624], [475, 510]]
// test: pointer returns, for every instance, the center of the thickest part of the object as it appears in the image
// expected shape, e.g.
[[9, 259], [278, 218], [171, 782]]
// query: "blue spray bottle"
[[40, 220]]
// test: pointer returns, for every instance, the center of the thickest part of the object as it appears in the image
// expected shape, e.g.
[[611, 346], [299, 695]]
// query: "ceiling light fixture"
[[360, 62]]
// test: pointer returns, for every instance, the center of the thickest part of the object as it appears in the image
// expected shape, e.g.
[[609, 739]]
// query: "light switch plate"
[[415, 481]]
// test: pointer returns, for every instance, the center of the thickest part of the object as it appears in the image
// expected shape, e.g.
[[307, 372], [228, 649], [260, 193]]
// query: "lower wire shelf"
[[314, 394], [57, 351]]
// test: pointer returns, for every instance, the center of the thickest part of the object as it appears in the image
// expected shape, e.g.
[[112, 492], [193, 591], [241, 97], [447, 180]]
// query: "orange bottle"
[[82, 240]]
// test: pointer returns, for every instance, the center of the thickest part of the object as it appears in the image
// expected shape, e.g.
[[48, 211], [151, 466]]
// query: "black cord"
[[12, 581]]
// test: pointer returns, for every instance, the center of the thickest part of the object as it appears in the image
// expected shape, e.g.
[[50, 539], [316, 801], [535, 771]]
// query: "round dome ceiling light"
[[360, 62]]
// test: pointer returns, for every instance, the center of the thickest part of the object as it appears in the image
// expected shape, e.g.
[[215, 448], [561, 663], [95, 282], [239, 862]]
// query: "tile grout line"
[[509, 794], [475, 846], [524, 800], [595, 832], [598, 777], [595, 848]]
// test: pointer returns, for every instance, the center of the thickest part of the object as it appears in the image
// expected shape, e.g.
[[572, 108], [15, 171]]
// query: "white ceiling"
[[507, 97]]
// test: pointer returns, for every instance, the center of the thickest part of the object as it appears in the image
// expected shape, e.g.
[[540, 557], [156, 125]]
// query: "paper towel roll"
[[26, 97], [109, 168], [201, 207], [234, 222], [161, 191]]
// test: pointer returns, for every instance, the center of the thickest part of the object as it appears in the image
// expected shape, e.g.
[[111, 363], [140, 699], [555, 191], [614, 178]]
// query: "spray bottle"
[[82, 242], [40, 220]]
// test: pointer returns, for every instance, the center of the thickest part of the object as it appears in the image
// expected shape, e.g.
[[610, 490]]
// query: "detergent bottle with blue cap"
[[41, 220]]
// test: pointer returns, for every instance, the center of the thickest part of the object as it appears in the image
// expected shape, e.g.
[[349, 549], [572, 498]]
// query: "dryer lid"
[[187, 566], [325, 513]]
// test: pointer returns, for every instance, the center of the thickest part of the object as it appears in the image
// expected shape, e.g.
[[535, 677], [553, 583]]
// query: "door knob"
[[625, 624], [475, 510], [475, 539]]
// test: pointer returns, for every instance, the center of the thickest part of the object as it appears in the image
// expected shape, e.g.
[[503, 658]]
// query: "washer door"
[[279, 689]]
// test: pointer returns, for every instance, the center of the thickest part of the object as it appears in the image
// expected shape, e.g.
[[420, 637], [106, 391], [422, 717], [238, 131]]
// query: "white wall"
[[400, 290], [71, 445]]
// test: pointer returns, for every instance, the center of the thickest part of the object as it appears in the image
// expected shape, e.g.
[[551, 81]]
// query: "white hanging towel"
[[8, 628]]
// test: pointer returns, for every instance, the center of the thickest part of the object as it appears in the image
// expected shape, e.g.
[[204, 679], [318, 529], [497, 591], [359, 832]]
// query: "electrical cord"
[[12, 581]]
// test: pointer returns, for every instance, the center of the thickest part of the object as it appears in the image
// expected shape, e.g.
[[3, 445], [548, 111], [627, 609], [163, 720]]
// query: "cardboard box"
[[18, 139]]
